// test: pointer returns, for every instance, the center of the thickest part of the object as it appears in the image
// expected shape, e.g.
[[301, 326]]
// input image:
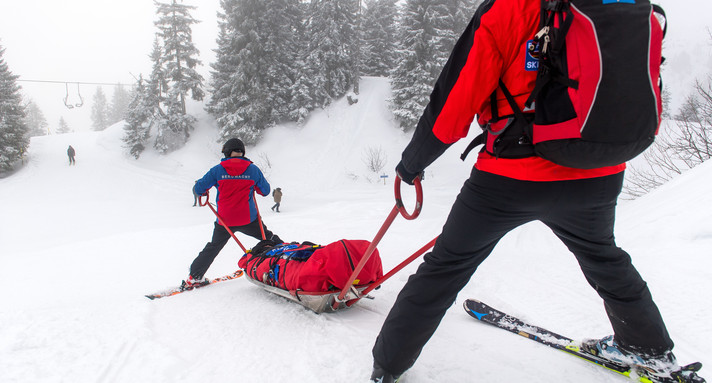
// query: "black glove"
[[407, 176]]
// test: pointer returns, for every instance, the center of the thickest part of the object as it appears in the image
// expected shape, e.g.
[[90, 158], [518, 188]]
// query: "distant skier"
[[235, 178], [70, 154], [277, 195], [195, 196]]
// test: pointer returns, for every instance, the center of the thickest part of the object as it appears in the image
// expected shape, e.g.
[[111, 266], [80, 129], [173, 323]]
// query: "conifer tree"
[[99, 110], [333, 51], [144, 111], [426, 37], [178, 62], [462, 11], [63, 126], [119, 104], [139, 118], [34, 118], [157, 82], [303, 89], [379, 27], [256, 65], [179, 53], [172, 129], [14, 138]]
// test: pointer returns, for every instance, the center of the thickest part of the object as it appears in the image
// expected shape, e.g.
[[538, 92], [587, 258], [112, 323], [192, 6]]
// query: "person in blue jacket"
[[236, 179]]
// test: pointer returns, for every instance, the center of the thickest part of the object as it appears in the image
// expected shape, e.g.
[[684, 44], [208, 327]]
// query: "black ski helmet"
[[233, 145]]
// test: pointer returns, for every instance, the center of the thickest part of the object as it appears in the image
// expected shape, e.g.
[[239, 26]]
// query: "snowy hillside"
[[81, 245]]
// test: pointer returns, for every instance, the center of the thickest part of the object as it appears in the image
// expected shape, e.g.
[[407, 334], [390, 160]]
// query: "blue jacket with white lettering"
[[235, 179]]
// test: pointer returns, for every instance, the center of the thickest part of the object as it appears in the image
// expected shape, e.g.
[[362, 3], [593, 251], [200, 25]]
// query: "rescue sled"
[[334, 291], [312, 275], [319, 302], [337, 287]]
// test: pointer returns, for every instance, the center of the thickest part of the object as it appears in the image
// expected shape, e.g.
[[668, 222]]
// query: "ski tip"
[[151, 297], [469, 304]]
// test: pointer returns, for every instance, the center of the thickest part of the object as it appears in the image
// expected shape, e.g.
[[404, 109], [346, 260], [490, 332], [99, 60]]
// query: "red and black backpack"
[[597, 99]]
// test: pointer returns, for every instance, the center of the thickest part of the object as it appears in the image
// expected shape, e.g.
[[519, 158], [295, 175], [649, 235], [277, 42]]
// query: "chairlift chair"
[[66, 98]]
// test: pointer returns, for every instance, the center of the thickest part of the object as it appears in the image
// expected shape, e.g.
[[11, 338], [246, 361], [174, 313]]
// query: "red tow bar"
[[398, 208], [220, 220]]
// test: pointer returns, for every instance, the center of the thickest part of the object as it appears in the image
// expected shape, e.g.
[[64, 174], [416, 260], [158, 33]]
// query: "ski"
[[179, 290], [487, 314]]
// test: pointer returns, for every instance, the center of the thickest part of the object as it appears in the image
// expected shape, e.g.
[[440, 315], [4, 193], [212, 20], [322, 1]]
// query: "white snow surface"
[[81, 245]]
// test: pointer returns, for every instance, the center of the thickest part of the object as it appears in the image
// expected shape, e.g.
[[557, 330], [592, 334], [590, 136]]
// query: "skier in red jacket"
[[236, 178], [578, 205]]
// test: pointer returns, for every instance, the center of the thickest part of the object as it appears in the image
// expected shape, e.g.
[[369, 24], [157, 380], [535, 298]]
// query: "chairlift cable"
[[76, 82]]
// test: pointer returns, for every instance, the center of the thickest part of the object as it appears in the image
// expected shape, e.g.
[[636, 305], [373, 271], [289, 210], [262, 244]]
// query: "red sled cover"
[[311, 268]]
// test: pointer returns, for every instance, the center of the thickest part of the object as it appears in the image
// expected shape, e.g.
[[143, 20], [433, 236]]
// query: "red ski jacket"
[[493, 47], [235, 179]]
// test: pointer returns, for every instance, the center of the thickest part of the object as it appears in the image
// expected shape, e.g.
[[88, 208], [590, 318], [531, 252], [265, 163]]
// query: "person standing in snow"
[[195, 196], [277, 195], [70, 154], [578, 205], [236, 179]]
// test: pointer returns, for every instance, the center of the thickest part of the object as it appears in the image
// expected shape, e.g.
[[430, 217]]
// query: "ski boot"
[[191, 283], [379, 375], [661, 368]]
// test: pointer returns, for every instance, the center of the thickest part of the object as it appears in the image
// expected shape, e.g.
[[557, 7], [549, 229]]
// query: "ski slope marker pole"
[[398, 208], [220, 220]]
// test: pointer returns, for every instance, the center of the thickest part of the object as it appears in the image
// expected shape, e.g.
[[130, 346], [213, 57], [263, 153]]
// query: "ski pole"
[[398, 208], [220, 220]]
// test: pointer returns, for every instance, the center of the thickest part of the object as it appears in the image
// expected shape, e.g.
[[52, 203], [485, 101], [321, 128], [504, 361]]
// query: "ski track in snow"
[[80, 246]]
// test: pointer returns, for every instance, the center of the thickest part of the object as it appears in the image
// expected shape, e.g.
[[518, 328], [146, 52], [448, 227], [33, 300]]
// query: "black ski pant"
[[220, 237], [580, 212]]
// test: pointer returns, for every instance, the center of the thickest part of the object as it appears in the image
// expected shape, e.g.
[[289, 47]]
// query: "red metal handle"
[[200, 199], [398, 208], [418, 198]]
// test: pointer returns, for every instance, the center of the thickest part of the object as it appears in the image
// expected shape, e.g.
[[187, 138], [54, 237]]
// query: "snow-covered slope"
[[79, 246]]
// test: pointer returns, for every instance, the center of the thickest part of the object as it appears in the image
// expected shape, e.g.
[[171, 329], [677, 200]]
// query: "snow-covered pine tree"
[[253, 76], [179, 53], [157, 82], [14, 138], [178, 63], [462, 11], [379, 26], [411, 79], [35, 120], [119, 104], [139, 118], [427, 36], [172, 129], [303, 100], [99, 110], [224, 65], [63, 126], [333, 49]]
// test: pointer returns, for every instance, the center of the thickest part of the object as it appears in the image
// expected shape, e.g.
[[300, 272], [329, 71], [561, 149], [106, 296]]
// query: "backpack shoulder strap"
[[516, 110], [660, 11]]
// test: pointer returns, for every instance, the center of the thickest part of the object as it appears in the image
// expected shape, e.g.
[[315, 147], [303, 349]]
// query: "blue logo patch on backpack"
[[532, 56], [618, 1]]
